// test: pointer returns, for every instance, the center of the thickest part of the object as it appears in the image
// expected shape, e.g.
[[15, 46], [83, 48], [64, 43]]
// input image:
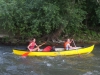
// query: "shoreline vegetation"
[[49, 20], [5, 40]]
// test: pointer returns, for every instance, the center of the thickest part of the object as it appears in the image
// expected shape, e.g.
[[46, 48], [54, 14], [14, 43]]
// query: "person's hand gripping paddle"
[[26, 53]]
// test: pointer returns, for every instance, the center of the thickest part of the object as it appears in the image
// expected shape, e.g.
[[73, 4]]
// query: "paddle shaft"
[[38, 46], [74, 43], [75, 46]]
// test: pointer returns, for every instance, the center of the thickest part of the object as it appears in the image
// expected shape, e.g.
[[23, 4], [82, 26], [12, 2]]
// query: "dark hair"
[[32, 38]]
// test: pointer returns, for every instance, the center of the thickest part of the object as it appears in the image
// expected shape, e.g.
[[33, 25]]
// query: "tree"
[[37, 18]]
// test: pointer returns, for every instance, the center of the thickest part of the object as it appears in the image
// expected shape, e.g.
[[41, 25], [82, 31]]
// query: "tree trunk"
[[54, 36]]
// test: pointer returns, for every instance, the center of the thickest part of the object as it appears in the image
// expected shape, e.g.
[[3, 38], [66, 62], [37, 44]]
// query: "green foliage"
[[91, 20], [5, 39], [36, 18], [98, 13]]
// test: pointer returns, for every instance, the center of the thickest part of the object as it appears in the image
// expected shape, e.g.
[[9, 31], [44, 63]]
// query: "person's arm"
[[36, 45], [29, 46], [71, 41]]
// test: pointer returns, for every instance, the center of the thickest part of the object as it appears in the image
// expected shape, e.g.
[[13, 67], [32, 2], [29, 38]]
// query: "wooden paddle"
[[26, 53]]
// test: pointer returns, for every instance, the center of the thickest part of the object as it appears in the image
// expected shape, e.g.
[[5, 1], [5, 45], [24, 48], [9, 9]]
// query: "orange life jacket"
[[65, 44]]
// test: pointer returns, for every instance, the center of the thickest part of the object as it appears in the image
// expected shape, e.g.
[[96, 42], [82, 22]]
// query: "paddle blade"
[[25, 54]]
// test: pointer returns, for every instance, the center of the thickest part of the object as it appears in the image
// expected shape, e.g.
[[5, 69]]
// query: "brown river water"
[[85, 64]]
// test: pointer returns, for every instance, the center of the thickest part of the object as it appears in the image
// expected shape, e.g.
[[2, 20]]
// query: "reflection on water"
[[85, 64]]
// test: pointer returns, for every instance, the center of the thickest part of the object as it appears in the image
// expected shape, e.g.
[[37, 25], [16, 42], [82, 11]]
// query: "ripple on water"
[[12, 68], [48, 64], [92, 73], [4, 73], [1, 60]]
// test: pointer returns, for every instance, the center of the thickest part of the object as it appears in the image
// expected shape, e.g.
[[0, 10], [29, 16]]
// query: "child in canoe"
[[32, 44], [67, 45]]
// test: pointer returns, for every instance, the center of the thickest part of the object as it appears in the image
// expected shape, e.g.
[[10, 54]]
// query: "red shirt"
[[32, 45]]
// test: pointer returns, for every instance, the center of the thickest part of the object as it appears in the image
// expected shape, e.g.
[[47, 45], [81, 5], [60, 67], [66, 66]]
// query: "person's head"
[[68, 40], [34, 39]]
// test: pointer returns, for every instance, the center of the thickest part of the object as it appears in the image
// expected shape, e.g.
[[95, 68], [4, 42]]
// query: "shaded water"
[[85, 64]]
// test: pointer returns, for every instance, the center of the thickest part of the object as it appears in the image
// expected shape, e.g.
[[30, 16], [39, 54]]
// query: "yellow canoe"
[[56, 53]]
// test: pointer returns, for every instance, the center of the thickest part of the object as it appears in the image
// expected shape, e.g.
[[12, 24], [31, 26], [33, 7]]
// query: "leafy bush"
[[36, 18]]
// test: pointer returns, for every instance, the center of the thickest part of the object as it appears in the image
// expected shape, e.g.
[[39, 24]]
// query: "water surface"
[[85, 64]]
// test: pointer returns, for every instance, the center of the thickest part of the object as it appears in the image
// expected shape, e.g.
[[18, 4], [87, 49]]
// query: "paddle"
[[76, 49], [26, 53]]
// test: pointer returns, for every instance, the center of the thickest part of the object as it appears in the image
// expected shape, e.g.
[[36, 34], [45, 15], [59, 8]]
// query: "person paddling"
[[67, 45], [32, 45]]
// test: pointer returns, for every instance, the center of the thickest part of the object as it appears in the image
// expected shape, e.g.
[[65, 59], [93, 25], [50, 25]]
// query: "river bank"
[[84, 38], [18, 42]]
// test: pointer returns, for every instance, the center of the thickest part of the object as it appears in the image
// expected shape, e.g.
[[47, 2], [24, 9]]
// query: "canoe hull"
[[61, 53]]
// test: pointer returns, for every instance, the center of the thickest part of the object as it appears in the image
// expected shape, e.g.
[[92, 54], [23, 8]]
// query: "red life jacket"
[[47, 49]]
